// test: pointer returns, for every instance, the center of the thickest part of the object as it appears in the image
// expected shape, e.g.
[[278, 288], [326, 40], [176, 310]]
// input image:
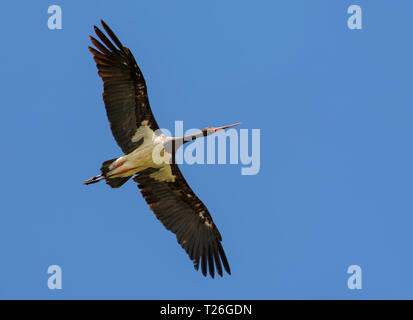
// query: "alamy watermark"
[[55, 280], [354, 22], [55, 20], [242, 148], [354, 281]]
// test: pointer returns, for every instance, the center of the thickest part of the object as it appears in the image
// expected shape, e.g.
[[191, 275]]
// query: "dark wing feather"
[[181, 211], [125, 92]]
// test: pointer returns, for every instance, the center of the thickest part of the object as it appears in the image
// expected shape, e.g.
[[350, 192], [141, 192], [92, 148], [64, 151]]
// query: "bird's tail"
[[113, 182]]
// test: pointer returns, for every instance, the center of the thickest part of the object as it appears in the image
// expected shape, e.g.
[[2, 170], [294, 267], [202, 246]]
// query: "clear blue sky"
[[335, 109]]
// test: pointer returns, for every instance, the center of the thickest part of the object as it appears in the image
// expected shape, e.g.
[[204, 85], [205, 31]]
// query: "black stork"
[[137, 133]]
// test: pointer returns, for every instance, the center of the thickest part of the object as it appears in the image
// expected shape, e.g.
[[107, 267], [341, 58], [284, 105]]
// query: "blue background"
[[335, 111]]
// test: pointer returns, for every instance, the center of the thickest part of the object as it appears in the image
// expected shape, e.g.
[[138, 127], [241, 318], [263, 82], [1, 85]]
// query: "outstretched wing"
[[180, 210], [125, 93]]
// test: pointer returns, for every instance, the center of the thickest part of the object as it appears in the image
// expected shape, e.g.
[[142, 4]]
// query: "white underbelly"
[[132, 163], [141, 159]]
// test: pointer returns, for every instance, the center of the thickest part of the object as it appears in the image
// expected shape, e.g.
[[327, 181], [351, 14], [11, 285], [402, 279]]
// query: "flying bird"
[[161, 182]]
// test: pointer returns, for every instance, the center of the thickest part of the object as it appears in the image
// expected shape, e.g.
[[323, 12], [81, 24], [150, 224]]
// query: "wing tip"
[[104, 24], [112, 35], [209, 264]]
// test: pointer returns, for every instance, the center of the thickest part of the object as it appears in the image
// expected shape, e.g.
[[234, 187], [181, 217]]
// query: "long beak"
[[204, 132], [225, 127]]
